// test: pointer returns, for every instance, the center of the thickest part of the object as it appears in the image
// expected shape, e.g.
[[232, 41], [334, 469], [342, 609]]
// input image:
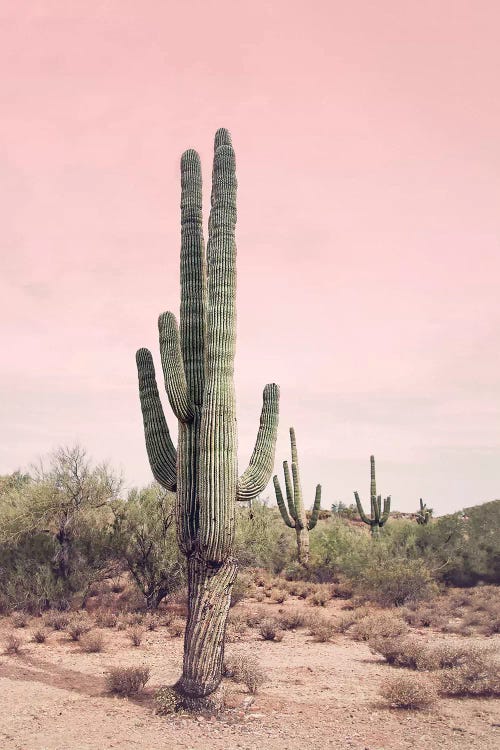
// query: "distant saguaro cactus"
[[198, 365], [424, 514], [296, 517], [378, 516]]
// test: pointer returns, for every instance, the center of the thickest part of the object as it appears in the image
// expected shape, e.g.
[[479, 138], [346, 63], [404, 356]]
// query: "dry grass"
[[409, 691], [19, 619], [56, 620], [92, 642], [378, 625], [127, 680], [105, 619], [39, 635], [136, 634], [279, 596], [245, 669], [13, 644], [78, 626], [176, 627], [477, 673], [321, 628], [292, 620], [270, 630]]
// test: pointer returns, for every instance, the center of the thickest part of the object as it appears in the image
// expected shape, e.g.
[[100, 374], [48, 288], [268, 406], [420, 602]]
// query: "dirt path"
[[318, 696]]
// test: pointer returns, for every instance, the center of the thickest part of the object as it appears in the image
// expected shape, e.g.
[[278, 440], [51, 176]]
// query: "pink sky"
[[367, 143]]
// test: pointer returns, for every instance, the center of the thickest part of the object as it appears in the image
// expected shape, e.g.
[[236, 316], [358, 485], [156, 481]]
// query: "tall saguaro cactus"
[[295, 517], [424, 514], [198, 365], [378, 516]]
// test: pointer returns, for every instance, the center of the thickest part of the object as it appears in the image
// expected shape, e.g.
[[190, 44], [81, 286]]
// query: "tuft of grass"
[[127, 680], [39, 635], [136, 634], [105, 619], [409, 691], [321, 628], [13, 644]]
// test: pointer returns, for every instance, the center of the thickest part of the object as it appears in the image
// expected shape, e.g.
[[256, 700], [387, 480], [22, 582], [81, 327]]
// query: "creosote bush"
[[409, 691], [477, 674], [127, 680]]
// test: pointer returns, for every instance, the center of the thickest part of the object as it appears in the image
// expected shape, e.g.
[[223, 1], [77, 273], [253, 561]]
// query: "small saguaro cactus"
[[198, 365], [424, 514], [378, 516], [295, 517]]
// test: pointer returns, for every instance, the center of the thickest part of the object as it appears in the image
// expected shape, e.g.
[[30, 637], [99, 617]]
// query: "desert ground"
[[317, 695]]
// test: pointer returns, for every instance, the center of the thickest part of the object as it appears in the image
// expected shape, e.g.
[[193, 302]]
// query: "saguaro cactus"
[[198, 365], [424, 514], [378, 516], [295, 517]]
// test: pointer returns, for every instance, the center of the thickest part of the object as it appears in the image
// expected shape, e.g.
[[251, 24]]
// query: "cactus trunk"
[[198, 365]]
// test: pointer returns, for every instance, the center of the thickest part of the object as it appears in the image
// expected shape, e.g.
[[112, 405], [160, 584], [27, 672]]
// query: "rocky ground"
[[318, 695]]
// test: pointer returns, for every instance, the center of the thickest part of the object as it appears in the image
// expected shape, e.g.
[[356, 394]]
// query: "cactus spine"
[[198, 366], [424, 514], [378, 516], [295, 517]]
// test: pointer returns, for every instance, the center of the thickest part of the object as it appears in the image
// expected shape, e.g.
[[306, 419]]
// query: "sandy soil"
[[319, 695]]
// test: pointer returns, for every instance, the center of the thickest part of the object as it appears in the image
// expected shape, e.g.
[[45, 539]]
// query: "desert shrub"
[[402, 652], [105, 619], [409, 691], [262, 540], [92, 642], [279, 595], [77, 626], [259, 596], [238, 621], [292, 619], [321, 628], [245, 669], [136, 634], [378, 625], [166, 701], [56, 620], [19, 619], [477, 673], [152, 622], [13, 644], [270, 630], [240, 589], [39, 635], [176, 627], [127, 680], [396, 583], [424, 616], [320, 597], [255, 617]]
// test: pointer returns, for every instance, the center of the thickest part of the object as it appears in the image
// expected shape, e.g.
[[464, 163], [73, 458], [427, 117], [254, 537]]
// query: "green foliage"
[[261, 541], [144, 539]]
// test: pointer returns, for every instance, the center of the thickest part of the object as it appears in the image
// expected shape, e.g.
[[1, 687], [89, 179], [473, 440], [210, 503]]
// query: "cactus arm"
[[387, 509], [293, 445], [161, 452], [218, 444], [173, 368], [373, 481], [193, 273], [255, 478], [281, 503], [315, 511], [292, 508], [361, 512]]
